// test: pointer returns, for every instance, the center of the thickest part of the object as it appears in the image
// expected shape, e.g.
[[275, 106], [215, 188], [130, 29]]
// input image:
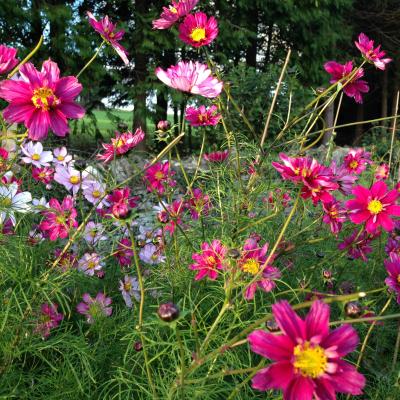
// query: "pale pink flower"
[[129, 288], [70, 178], [61, 156], [90, 263], [35, 155], [95, 308], [93, 192]]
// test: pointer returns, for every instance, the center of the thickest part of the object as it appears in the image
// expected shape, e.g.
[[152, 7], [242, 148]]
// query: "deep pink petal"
[[300, 388], [72, 110], [378, 189], [360, 217], [58, 123], [347, 379], [317, 321], [68, 88], [38, 125], [342, 340], [274, 347], [15, 91], [324, 389], [276, 376], [289, 321], [18, 113]]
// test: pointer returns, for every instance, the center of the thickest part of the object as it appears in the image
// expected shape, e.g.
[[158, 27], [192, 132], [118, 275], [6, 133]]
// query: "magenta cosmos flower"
[[59, 219], [197, 30], [358, 246], [374, 207], [393, 269], [202, 116], [121, 144], [49, 318], [334, 215], [7, 59], [382, 172], [374, 56], [158, 177], [307, 355], [356, 161], [106, 29], [124, 252], [94, 308], [121, 203], [191, 77], [44, 175], [210, 260], [253, 262], [173, 13], [217, 156], [42, 100], [353, 88]]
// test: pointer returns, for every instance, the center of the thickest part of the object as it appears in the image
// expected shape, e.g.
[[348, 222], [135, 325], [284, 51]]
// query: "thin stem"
[[92, 59], [397, 345], [394, 129]]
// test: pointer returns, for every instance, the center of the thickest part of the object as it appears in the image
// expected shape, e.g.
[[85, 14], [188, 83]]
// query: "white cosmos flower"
[[35, 155], [11, 202]]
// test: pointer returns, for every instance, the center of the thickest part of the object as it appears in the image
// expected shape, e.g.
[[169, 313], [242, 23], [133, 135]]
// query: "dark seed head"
[[168, 312], [233, 253], [138, 346], [272, 326], [353, 309]]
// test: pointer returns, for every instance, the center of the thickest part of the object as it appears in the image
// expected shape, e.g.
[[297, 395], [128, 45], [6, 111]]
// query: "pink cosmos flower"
[[121, 203], [158, 177], [358, 246], [374, 207], [393, 269], [172, 216], [393, 246], [121, 144], [210, 260], [42, 100], [129, 288], [307, 355], [196, 30], [106, 29], [382, 172], [7, 59], [217, 156], [93, 192], [173, 13], [61, 156], [252, 261], [353, 88], [94, 233], [202, 116], [374, 56], [94, 308], [59, 219], [150, 254], [70, 178], [44, 175], [292, 168], [334, 215], [356, 161], [49, 318], [35, 155], [198, 204], [90, 263], [68, 259], [191, 77], [3, 159], [342, 177], [124, 252]]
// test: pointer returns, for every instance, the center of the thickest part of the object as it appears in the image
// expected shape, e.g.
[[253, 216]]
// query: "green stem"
[[92, 59]]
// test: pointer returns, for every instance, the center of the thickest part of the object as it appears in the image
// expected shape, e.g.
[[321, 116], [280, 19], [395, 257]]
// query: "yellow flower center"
[[60, 158], [127, 286], [5, 202], [198, 34], [119, 143], [210, 260], [42, 175], [43, 98], [375, 206], [310, 361], [60, 220], [398, 279], [353, 164], [91, 265], [35, 157], [173, 10], [93, 233], [96, 194], [159, 175], [74, 179], [251, 266]]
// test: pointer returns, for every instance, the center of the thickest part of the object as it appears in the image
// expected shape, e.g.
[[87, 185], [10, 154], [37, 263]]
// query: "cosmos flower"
[[202, 116], [358, 246], [150, 254], [42, 100], [356, 161], [35, 155], [7, 59], [59, 219], [173, 13], [393, 269], [352, 88], [129, 288], [374, 207], [334, 215], [197, 30], [121, 203], [191, 77], [61, 156], [253, 261], [198, 204], [70, 178], [382, 172], [48, 319], [121, 144], [12, 202], [343, 178], [307, 355], [4, 157], [44, 175], [93, 233], [374, 56], [217, 156], [90, 263], [210, 260], [158, 177], [95, 308], [124, 252], [93, 192], [107, 31]]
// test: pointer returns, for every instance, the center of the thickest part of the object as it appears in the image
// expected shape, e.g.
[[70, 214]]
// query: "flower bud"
[[168, 312], [163, 125], [138, 346], [353, 309], [327, 274]]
